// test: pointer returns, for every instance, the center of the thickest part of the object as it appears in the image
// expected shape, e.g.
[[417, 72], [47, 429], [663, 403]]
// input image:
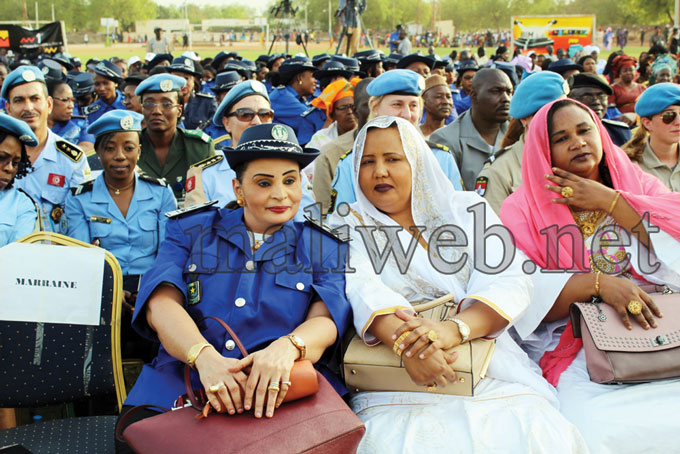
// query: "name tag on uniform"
[[100, 219], [194, 292]]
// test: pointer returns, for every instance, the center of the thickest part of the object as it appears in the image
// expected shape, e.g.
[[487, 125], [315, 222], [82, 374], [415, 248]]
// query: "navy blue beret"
[[240, 91], [536, 91], [18, 129], [21, 75], [110, 70], [51, 69], [116, 121], [657, 98], [397, 81]]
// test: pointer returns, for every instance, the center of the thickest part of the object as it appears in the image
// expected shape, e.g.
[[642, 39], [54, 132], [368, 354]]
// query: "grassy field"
[[247, 50]]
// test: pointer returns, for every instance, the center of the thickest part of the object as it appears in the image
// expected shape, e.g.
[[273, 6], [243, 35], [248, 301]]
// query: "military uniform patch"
[[307, 112], [194, 292], [208, 162], [100, 219], [92, 108], [480, 185], [196, 134], [205, 95], [221, 139], [191, 209], [345, 155], [83, 188], [320, 226], [153, 180], [69, 150]]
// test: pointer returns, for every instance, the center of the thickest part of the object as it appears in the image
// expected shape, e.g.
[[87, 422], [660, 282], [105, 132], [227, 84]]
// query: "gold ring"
[[432, 388], [274, 387], [567, 192], [432, 335], [635, 307], [287, 383], [215, 388]]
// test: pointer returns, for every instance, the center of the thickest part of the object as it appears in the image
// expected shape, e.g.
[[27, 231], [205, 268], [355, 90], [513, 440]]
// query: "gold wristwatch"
[[299, 344], [463, 328]]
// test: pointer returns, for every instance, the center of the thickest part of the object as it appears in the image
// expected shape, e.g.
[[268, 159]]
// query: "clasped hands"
[[426, 361], [259, 381]]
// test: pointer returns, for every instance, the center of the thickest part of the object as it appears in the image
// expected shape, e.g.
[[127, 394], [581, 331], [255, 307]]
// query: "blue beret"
[[240, 91], [536, 91], [115, 121], [161, 83], [21, 75], [269, 140], [81, 84], [18, 129], [657, 98], [397, 82]]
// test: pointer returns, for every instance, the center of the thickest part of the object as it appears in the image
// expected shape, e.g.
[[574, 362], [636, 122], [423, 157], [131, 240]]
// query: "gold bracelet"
[[613, 205], [397, 343], [194, 351], [597, 283]]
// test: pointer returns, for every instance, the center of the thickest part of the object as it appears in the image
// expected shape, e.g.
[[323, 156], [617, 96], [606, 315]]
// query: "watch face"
[[298, 340]]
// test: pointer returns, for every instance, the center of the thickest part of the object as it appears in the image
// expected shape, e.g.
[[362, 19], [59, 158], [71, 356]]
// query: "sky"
[[259, 5]]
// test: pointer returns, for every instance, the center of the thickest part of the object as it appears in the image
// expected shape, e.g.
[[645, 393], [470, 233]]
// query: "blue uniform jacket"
[[199, 109], [210, 249], [215, 132], [17, 215], [99, 108], [74, 130], [291, 110], [461, 101], [93, 215]]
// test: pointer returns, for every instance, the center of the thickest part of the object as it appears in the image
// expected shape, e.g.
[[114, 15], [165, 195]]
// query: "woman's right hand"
[[618, 292], [213, 369]]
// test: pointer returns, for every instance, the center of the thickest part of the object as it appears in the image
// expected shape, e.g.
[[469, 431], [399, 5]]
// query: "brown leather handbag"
[[319, 423], [616, 355], [377, 368]]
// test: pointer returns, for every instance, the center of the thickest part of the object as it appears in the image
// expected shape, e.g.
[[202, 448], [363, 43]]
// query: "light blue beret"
[[160, 83], [657, 98], [536, 91], [116, 121], [21, 75], [19, 129], [397, 82], [240, 91]]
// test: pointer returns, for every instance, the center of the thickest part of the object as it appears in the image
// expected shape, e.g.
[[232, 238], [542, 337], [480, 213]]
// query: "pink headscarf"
[[529, 210]]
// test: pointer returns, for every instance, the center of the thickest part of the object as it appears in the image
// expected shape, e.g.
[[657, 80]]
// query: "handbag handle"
[[133, 411], [433, 303], [187, 370]]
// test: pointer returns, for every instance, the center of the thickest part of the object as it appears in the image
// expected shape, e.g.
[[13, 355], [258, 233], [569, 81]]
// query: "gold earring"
[[240, 201], [299, 82]]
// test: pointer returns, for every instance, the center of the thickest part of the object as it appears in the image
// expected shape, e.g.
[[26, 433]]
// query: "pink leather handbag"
[[616, 355]]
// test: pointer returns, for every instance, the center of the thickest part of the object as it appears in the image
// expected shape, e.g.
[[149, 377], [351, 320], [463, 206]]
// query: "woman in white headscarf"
[[399, 184]]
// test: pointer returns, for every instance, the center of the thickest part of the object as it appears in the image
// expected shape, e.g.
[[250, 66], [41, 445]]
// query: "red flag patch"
[[56, 180], [191, 184], [480, 185]]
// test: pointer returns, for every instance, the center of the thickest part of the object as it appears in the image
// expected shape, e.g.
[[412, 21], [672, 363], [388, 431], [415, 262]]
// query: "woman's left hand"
[[269, 368], [588, 194], [417, 342]]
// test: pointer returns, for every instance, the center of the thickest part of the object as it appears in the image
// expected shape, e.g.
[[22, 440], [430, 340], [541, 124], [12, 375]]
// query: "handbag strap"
[[434, 303], [133, 411], [187, 370]]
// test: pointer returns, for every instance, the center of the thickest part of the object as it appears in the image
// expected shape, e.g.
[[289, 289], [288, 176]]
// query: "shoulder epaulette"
[[437, 145], [207, 162], [221, 139], [495, 156], [79, 117], [620, 124], [92, 108], [346, 154], [190, 209], [204, 124], [153, 180], [307, 112], [324, 228], [195, 133], [205, 95], [69, 150], [83, 188]]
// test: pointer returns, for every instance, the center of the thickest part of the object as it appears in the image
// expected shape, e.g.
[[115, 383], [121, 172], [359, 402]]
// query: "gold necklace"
[[587, 221], [117, 190]]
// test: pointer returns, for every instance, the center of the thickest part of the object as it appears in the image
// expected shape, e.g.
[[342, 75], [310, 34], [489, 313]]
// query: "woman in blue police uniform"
[[290, 102], [18, 212], [107, 76], [62, 121], [279, 284]]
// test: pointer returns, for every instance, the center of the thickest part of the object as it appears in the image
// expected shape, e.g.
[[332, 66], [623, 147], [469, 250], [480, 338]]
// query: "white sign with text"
[[51, 284]]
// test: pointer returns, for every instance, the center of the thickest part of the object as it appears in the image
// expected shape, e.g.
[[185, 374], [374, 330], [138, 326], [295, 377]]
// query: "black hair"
[[582, 60], [605, 175], [239, 170], [24, 163], [53, 84]]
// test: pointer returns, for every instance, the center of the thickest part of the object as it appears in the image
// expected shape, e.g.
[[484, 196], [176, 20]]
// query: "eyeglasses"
[[345, 108], [66, 100], [589, 98], [266, 115], [165, 105], [669, 117]]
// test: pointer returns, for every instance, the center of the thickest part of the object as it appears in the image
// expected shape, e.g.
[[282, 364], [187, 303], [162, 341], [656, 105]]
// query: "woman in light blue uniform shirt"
[[120, 210], [18, 212]]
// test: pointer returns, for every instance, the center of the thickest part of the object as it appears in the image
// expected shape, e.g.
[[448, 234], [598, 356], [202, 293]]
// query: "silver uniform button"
[[250, 266], [240, 302], [230, 345], [300, 286], [192, 268]]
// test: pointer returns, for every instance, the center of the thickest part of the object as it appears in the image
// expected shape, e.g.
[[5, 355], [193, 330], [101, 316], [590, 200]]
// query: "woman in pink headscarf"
[[575, 179]]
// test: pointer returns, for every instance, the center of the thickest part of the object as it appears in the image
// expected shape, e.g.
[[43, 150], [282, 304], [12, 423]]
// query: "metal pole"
[[330, 28], [36, 15], [53, 12], [676, 16]]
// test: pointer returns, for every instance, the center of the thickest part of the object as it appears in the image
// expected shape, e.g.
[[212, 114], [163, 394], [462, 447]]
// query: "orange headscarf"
[[332, 93], [623, 61]]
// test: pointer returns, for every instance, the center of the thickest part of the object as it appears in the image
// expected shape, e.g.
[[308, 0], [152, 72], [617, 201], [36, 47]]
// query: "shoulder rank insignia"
[[197, 134], [190, 209], [153, 180], [92, 108], [480, 185], [325, 228], [437, 145], [497, 154], [69, 150], [194, 292], [78, 117], [207, 162], [346, 154], [83, 188], [205, 95], [620, 124], [307, 112], [221, 139]]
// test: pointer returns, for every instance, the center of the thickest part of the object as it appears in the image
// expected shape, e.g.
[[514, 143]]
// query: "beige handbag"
[[379, 369]]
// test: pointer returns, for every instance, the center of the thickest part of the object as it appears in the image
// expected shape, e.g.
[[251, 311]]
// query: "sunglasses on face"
[[669, 117], [266, 115]]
